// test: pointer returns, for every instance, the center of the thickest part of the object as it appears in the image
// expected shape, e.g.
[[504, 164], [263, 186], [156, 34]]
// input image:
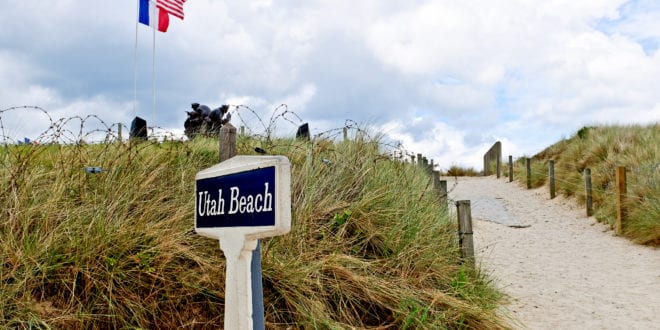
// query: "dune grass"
[[602, 149], [370, 244]]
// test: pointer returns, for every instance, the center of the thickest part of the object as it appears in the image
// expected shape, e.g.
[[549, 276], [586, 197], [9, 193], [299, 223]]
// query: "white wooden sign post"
[[239, 201]]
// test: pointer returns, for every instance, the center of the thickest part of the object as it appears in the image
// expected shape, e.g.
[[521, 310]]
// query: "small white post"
[[238, 281]]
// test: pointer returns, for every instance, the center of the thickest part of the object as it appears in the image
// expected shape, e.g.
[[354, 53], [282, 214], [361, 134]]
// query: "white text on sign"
[[238, 203]]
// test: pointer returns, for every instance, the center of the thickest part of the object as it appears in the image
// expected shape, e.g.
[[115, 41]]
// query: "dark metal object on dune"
[[138, 129]]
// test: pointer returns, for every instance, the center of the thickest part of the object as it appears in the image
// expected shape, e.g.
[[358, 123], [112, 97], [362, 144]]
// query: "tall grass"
[[370, 244], [602, 149]]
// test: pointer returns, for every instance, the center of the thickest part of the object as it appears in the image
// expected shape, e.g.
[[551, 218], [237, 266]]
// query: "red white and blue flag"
[[155, 13]]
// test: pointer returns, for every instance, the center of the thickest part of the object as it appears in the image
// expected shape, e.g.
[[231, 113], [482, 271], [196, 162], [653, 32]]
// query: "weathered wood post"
[[119, 132], [227, 149], [510, 168], [242, 130], [587, 187], [465, 241], [345, 132], [551, 174], [498, 160], [227, 142], [620, 199], [443, 194], [419, 160], [441, 187], [528, 166]]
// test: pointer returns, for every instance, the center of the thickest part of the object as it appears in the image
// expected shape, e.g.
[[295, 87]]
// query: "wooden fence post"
[[419, 160], [465, 241], [441, 188], [620, 199], [227, 149], [345, 131], [510, 168], [587, 187], [528, 166], [443, 194], [498, 164], [119, 132], [242, 130], [227, 142], [551, 174]]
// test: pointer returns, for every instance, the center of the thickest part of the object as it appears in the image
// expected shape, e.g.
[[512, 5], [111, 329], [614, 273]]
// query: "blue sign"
[[243, 199]]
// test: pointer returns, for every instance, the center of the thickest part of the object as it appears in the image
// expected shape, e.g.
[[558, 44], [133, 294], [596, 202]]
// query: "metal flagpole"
[[153, 75], [135, 61]]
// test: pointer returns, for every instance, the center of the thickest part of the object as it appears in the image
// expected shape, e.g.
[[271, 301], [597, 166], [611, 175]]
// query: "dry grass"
[[370, 245], [602, 149], [456, 170]]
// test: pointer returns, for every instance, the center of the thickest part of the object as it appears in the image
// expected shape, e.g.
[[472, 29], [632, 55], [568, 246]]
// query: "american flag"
[[172, 7]]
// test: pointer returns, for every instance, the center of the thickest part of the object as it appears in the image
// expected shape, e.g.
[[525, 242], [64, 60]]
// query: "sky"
[[443, 78]]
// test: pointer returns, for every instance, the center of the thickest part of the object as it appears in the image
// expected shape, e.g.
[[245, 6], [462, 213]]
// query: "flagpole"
[[135, 62], [153, 79]]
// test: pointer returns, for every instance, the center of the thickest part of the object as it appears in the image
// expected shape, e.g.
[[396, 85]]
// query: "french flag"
[[153, 16]]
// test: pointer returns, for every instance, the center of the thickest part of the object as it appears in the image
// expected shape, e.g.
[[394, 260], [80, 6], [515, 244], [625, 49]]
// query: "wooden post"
[[227, 149], [419, 160], [465, 241], [551, 170], [443, 194], [620, 199], [498, 160], [345, 131], [119, 133], [441, 187], [227, 142], [242, 130], [587, 187], [510, 168], [528, 165], [412, 159]]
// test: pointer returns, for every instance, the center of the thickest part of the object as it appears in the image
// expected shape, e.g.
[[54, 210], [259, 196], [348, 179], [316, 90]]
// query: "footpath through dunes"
[[560, 269]]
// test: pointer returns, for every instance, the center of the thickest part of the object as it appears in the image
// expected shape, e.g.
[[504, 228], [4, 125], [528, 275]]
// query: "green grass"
[[602, 149], [370, 245]]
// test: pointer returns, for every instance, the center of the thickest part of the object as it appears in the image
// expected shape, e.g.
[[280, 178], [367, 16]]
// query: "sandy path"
[[564, 271]]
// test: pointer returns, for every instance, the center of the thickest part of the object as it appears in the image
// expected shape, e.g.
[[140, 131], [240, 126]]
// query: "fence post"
[[528, 166], [498, 164], [465, 241], [587, 187], [345, 131], [227, 142], [419, 160], [551, 174], [242, 130], [510, 168], [620, 199], [119, 132], [227, 149], [441, 188]]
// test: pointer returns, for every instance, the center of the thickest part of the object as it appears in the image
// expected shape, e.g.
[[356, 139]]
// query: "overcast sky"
[[445, 78]]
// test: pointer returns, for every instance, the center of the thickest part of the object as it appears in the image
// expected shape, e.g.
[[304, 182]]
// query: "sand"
[[562, 270]]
